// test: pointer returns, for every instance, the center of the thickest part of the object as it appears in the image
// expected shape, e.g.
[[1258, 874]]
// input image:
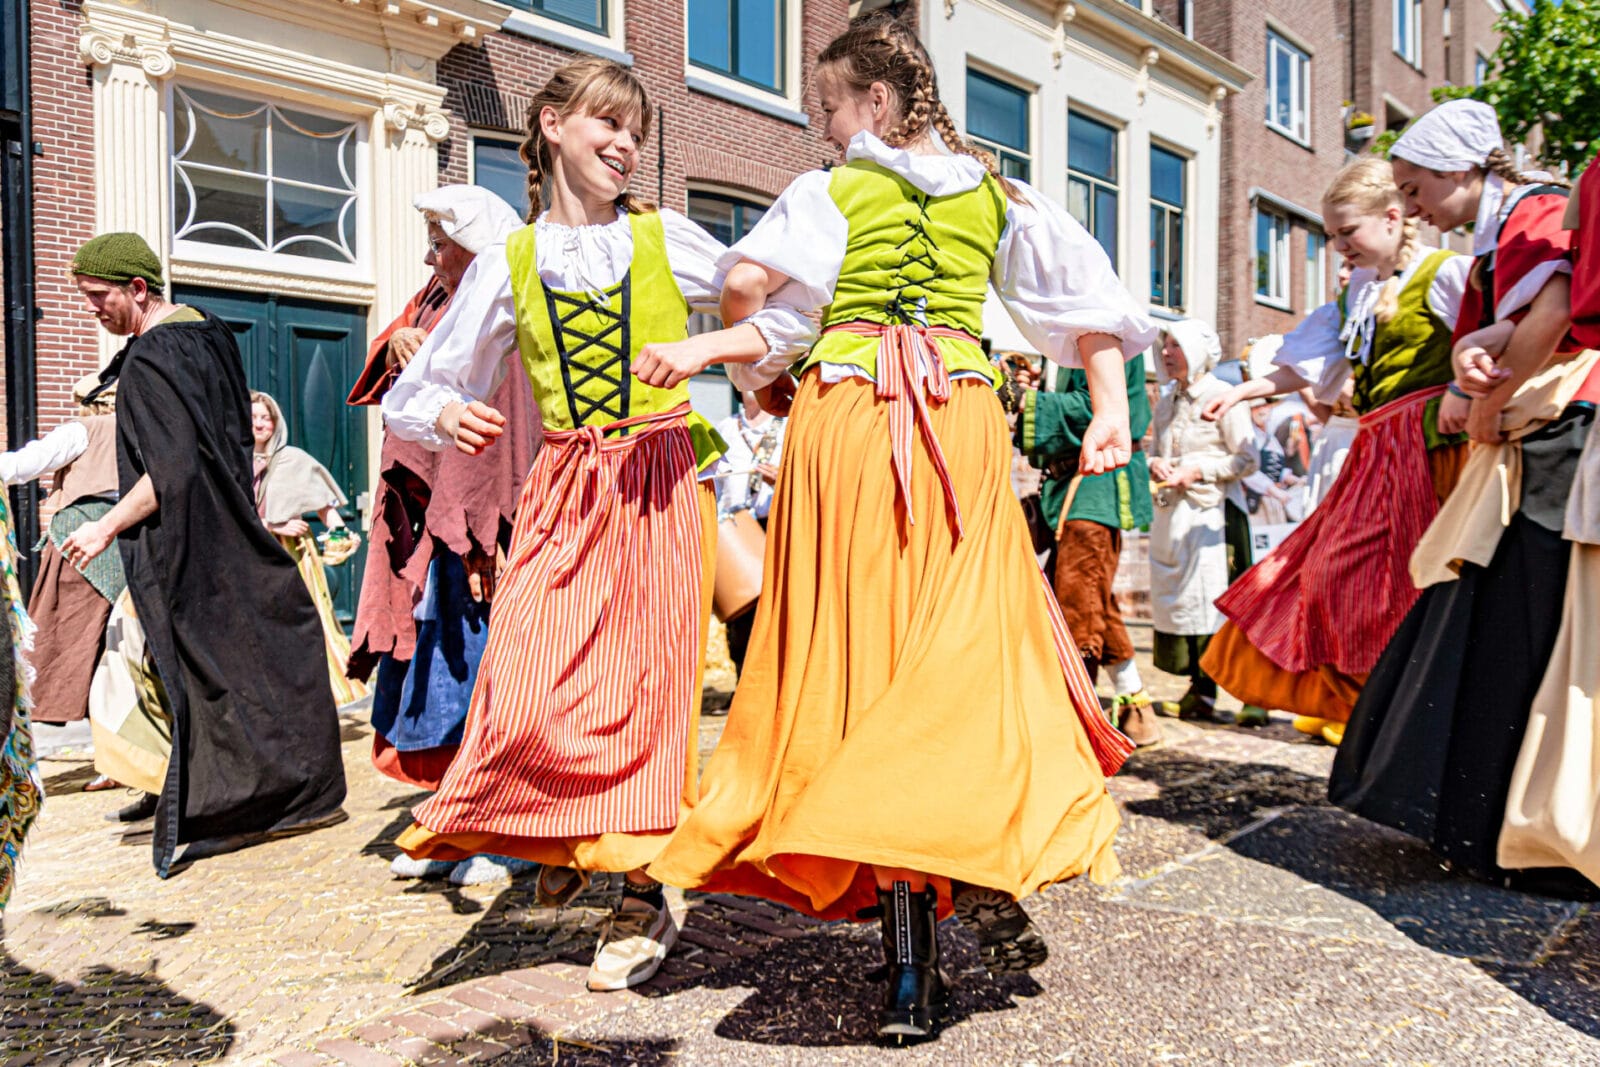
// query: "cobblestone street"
[[1254, 925]]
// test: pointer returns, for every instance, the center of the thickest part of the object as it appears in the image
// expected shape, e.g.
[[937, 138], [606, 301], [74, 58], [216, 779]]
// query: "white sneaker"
[[406, 867], [634, 941], [486, 870]]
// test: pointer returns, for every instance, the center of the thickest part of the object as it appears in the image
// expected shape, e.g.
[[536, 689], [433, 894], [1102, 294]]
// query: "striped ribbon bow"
[[910, 373]]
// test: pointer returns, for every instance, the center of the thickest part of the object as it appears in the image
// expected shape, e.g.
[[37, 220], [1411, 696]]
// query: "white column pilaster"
[[131, 153]]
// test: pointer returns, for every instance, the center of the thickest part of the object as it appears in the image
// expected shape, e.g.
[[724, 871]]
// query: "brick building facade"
[[1329, 78], [415, 93]]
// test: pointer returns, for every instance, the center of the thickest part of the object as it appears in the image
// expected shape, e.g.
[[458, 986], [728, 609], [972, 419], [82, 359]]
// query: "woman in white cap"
[[1434, 737], [1200, 535], [440, 521]]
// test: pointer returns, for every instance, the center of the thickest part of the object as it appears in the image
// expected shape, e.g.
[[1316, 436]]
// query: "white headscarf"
[[469, 215], [1201, 347], [1456, 135], [1459, 135]]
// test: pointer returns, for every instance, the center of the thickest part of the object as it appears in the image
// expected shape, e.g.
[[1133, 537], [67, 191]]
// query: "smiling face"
[[1364, 238], [594, 155], [847, 111], [261, 425], [1446, 200]]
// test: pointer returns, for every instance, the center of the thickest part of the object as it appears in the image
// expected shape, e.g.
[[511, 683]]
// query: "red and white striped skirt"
[[580, 723], [1334, 592]]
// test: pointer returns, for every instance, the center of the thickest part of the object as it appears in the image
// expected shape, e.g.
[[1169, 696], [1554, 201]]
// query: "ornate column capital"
[[400, 116], [99, 48]]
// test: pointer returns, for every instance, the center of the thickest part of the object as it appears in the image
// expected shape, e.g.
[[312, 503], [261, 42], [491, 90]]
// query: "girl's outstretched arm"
[[1107, 444]]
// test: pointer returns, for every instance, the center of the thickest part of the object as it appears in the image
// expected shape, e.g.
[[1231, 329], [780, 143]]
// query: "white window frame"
[[1407, 27], [1182, 211], [1096, 182], [994, 148], [1316, 280], [1481, 66], [499, 137], [612, 44], [1277, 258], [255, 259], [784, 102], [1299, 128]]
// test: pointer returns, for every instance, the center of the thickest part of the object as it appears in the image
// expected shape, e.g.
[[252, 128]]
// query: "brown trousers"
[[1086, 569]]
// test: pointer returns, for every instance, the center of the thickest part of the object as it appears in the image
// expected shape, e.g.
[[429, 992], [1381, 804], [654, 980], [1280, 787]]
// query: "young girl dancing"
[[1433, 740], [1307, 623], [578, 750], [902, 727]]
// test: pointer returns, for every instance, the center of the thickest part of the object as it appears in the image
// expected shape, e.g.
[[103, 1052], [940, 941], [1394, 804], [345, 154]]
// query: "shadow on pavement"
[[548, 1051], [107, 1016], [1281, 834]]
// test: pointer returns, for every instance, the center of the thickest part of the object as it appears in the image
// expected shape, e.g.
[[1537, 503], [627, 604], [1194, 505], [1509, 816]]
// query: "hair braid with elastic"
[[1500, 162], [880, 48]]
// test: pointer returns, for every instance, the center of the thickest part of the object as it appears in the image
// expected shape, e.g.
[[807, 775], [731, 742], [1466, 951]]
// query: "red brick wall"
[[63, 204], [706, 139], [1257, 156]]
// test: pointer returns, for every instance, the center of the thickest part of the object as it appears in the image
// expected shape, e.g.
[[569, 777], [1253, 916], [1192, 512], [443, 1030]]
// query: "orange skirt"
[[579, 746], [904, 702]]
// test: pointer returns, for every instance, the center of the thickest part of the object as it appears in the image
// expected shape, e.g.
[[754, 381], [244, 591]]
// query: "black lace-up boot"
[[917, 996]]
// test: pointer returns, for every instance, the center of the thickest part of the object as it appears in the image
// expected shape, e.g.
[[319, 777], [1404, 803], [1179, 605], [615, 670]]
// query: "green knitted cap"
[[118, 257]]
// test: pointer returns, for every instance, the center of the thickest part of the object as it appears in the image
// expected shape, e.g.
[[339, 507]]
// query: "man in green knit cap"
[[233, 633], [1089, 514]]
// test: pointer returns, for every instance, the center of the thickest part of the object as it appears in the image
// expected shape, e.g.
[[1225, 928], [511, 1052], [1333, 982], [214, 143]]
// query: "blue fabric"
[[421, 703]]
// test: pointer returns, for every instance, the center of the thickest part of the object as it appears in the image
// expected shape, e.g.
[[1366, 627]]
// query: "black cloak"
[[232, 629]]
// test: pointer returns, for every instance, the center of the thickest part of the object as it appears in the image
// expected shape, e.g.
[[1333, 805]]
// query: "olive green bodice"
[[1409, 352]]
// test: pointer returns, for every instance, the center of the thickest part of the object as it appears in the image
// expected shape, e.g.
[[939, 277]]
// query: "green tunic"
[[1050, 431], [578, 348]]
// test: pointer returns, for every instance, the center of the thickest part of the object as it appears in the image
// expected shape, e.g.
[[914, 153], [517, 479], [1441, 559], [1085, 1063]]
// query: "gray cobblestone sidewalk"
[[1255, 925]]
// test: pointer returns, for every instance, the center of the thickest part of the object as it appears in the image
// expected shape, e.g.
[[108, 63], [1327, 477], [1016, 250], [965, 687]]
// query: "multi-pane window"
[[589, 14], [1272, 256], [1166, 228], [1092, 183], [740, 38], [1316, 270], [726, 218], [998, 120], [497, 166], [256, 176], [1408, 30], [1288, 88]]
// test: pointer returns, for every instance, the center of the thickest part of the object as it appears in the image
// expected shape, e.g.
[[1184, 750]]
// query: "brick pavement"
[[1239, 880]]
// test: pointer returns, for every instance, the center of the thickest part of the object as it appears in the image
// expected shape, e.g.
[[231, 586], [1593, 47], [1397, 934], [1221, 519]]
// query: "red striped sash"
[[1335, 590], [909, 364]]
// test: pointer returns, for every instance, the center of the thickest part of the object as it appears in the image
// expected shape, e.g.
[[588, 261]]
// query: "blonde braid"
[[1389, 296]]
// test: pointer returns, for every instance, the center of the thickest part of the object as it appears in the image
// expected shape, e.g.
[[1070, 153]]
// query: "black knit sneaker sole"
[[1008, 942]]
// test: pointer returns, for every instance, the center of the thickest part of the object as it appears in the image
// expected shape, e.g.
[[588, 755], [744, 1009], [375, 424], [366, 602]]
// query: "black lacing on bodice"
[[917, 249], [603, 355]]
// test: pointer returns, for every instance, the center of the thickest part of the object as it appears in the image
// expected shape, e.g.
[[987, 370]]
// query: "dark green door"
[[307, 355]]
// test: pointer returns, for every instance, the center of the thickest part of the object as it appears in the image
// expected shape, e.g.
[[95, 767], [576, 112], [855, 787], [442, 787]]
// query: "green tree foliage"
[[1546, 78]]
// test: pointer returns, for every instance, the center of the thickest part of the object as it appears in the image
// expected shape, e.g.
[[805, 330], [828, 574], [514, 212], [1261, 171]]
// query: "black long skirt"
[[1433, 740]]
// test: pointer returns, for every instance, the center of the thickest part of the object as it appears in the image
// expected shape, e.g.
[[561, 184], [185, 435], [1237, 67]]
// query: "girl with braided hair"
[[578, 750], [914, 731], [1306, 624], [1433, 740]]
